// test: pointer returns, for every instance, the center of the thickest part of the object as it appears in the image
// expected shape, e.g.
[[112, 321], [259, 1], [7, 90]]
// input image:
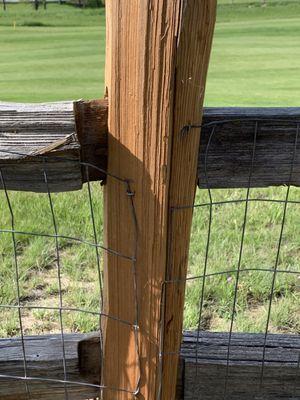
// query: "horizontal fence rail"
[[45, 372], [204, 366], [201, 375], [70, 133], [57, 147], [66, 133], [226, 147]]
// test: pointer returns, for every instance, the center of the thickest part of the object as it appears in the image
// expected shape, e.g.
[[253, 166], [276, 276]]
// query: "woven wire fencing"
[[242, 306], [51, 282], [243, 279]]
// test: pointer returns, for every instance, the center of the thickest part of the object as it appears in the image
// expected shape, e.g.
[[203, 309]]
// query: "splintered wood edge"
[[226, 163]]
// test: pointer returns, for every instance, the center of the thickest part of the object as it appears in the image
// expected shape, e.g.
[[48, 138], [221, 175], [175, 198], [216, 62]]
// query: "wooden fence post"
[[157, 59]]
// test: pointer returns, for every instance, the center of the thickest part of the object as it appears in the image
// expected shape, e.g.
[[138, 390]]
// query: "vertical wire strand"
[[130, 195], [98, 269], [240, 260], [201, 302], [17, 276], [58, 276], [278, 255], [163, 303]]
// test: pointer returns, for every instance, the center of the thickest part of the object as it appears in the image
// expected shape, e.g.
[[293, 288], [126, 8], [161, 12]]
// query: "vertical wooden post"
[[157, 59], [192, 59]]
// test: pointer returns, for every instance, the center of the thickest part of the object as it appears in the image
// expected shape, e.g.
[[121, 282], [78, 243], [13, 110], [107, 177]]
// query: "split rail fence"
[[143, 143]]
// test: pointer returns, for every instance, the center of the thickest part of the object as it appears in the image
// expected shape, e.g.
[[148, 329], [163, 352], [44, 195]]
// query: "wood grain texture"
[[192, 60], [91, 128], [228, 154], [29, 131], [52, 137], [206, 381], [140, 85], [44, 356], [230, 149], [156, 70], [44, 360]]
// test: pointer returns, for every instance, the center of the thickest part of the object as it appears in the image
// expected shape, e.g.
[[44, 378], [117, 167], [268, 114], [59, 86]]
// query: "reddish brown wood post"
[[157, 59]]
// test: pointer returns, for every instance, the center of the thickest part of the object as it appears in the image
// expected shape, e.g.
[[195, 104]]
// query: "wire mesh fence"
[[243, 275], [243, 278], [51, 272]]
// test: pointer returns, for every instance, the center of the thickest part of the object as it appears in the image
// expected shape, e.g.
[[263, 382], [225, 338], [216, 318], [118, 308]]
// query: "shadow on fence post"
[[157, 59]]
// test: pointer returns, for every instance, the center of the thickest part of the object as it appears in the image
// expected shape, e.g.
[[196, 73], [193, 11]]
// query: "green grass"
[[55, 15], [62, 60], [259, 251], [37, 259], [256, 3], [58, 54], [255, 57]]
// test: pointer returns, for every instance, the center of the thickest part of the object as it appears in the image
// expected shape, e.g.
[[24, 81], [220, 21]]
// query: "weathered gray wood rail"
[[201, 376], [206, 381], [44, 356], [231, 144], [61, 138], [58, 139]]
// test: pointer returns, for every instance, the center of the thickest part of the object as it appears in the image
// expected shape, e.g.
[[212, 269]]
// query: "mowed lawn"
[[58, 54], [61, 59], [255, 57]]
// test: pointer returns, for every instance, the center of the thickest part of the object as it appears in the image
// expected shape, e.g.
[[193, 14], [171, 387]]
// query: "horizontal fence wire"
[[214, 208], [211, 205], [96, 246]]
